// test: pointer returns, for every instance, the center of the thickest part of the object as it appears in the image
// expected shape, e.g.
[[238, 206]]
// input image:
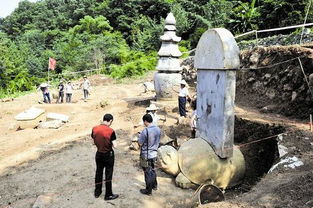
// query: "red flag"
[[52, 63]]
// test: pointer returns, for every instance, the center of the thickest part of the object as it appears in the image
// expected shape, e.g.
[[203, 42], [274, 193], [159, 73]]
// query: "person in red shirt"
[[105, 139]]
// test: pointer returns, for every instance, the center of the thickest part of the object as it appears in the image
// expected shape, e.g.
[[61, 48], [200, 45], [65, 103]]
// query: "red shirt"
[[103, 137]]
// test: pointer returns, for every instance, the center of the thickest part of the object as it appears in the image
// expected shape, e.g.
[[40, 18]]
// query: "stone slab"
[[29, 114], [57, 116], [215, 109]]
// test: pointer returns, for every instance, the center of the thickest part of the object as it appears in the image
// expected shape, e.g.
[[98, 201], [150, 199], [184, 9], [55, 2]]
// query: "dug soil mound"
[[272, 79]]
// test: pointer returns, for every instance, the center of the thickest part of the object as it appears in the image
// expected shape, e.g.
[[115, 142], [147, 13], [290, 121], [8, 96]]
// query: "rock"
[[254, 58], [183, 182], [134, 143], [53, 124], [294, 95], [270, 94], [43, 201], [165, 139], [287, 87], [282, 150], [251, 79], [104, 103], [55, 95], [257, 85], [266, 76], [268, 109], [14, 126], [57, 116], [168, 160], [4, 100], [148, 87], [311, 79]]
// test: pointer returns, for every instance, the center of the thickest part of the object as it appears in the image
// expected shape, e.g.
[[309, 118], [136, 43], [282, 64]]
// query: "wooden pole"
[[311, 127]]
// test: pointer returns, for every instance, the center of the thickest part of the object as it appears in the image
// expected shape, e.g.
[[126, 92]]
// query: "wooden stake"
[[311, 127]]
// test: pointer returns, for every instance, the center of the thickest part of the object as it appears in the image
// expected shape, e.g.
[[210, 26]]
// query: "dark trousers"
[[182, 106], [46, 98], [155, 184], [68, 97], [86, 93], [61, 96], [104, 160]]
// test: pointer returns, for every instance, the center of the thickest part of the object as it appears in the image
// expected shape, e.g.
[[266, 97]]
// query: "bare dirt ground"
[[59, 164]]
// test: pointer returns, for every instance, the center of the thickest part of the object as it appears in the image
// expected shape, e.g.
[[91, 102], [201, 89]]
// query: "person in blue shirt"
[[149, 140]]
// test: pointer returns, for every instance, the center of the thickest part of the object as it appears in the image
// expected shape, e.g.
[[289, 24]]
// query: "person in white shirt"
[[182, 98], [69, 91], [86, 87]]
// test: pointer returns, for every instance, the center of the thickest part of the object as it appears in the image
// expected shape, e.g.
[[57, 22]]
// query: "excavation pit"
[[258, 143]]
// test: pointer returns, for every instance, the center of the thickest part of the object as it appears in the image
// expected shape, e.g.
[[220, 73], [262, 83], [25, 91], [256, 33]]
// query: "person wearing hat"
[[69, 91], [152, 111], [45, 92], [182, 98], [86, 87]]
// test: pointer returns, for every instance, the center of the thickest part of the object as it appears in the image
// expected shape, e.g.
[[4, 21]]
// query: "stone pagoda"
[[169, 69]]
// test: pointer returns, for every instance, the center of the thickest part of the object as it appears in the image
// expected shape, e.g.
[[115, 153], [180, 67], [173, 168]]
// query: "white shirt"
[[183, 92], [86, 84], [69, 89]]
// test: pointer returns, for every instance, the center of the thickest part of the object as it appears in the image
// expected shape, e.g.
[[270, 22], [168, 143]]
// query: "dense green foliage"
[[120, 37]]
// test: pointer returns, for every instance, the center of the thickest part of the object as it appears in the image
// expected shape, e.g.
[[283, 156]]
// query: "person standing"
[[182, 98], [149, 140], [105, 139], [86, 87], [69, 92], [61, 92], [45, 92]]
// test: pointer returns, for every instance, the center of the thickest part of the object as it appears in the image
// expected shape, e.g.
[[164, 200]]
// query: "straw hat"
[[152, 107], [183, 82], [43, 85]]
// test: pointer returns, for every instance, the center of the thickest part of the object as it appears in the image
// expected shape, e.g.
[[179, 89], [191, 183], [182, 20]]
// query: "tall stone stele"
[[168, 74], [216, 60]]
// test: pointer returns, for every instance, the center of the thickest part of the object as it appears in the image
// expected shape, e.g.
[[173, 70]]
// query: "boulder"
[[53, 124], [148, 87], [165, 140], [168, 160], [43, 201]]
